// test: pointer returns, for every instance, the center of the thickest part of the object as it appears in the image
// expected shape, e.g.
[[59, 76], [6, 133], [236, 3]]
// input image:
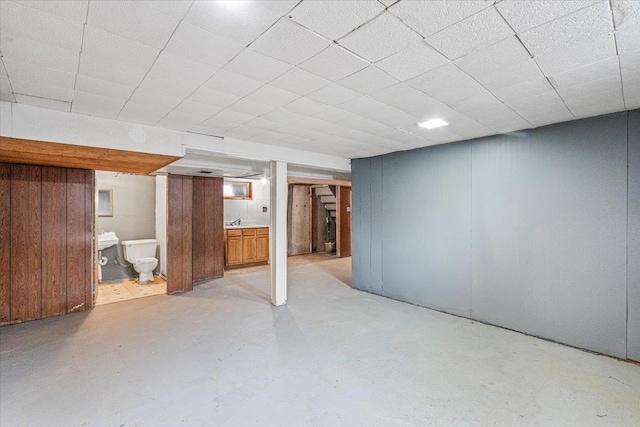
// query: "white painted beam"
[[278, 233]]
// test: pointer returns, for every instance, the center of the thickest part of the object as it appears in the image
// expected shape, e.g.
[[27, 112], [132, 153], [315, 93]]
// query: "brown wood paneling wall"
[[179, 234], [344, 221], [208, 228], [46, 235]]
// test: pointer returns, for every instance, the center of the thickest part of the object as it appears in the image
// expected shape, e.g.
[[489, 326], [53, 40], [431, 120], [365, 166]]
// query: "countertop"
[[238, 227]]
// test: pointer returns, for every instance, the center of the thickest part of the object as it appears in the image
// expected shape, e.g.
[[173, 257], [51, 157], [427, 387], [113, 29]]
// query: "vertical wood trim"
[[187, 239], [75, 240], [344, 222], [174, 234], [26, 246], [5, 243], [208, 248], [54, 241], [217, 242], [199, 228], [89, 233]]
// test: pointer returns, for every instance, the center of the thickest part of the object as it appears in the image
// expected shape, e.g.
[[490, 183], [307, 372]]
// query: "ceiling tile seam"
[[6, 73], [42, 97], [614, 31], [537, 66], [367, 22], [563, 16], [262, 33], [84, 28]]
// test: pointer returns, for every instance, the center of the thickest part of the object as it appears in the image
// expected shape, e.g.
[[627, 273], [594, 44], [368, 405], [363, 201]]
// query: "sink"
[[106, 240]]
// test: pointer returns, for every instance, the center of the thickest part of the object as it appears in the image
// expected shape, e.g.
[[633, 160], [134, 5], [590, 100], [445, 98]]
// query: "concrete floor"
[[223, 356]]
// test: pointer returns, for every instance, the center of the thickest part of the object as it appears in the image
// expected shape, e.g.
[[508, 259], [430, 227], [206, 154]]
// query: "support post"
[[278, 233]]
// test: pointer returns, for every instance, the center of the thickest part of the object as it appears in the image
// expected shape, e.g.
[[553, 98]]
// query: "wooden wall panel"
[[217, 238], [209, 248], [174, 234], [5, 243], [187, 233], [343, 237], [26, 281], [199, 229], [75, 240], [89, 233], [54, 241], [208, 228]]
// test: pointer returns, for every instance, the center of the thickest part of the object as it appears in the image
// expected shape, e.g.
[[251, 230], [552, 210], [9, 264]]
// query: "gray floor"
[[222, 355]]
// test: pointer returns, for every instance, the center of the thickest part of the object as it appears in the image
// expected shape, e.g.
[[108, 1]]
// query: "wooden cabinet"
[[247, 246]]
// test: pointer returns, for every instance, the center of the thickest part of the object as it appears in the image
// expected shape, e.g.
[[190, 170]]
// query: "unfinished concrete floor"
[[223, 356]]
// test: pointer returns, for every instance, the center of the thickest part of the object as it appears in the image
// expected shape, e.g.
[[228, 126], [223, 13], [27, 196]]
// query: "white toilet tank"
[[136, 249]]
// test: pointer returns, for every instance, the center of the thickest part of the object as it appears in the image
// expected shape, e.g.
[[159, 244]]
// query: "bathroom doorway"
[[130, 236]]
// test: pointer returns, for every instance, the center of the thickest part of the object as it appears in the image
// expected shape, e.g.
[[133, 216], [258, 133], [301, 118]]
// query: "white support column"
[[278, 233]]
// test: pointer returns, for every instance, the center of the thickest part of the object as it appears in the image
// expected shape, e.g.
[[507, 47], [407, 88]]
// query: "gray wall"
[[526, 230], [633, 261]]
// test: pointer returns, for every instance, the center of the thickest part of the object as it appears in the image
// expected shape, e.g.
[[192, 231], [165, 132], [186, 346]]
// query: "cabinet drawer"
[[249, 232], [263, 231], [234, 233]]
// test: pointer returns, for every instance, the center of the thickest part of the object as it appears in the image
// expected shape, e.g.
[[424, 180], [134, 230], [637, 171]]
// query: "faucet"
[[236, 222]]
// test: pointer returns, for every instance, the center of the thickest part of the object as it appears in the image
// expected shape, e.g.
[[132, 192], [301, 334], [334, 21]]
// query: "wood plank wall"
[[46, 241], [195, 231], [343, 237]]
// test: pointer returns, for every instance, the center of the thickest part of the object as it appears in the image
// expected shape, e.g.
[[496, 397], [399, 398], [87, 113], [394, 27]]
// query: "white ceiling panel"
[[271, 95], [605, 84], [594, 104], [115, 73], [562, 33], [334, 63], [305, 106], [223, 122], [118, 50], [447, 84], [241, 23], [250, 107], [132, 20], [27, 22], [482, 29], [428, 17], [289, 42], [49, 104], [235, 84], [257, 66], [281, 7], [179, 121], [407, 138], [40, 54], [140, 109], [516, 93], [408, 99], [200, 109], [206, 95], [364, 124], [209, 130], [170, 90], [380, 38], [333, 95], [244, 132], [626, 14], [412, 61], [478, 102], [517, 74], [333, 22], [525, 15], [176, 8], [497, 56], [549, 98], [577, 55], [334, 114], [282, 116], [75, 11], [545, 114], [199, 45], [299, 81], [96, 105], [6, 92], [29, 73], [383, 113], [263, 124], [597, 70], [32, 88], [368, 80], [103, 88], [433, 136], [176, 67], [233, 117]]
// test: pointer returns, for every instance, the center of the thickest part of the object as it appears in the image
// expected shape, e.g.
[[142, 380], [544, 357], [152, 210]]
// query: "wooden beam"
[[314, 181], [31, 152]]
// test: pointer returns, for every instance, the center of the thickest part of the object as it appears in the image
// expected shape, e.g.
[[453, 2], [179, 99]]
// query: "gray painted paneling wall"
[[527, 230]]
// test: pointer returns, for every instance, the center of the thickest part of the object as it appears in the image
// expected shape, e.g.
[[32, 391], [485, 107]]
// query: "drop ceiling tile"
[[448, 84], [369, 80], [43, 103], [409, 139], [485, 100], [75, 11], [179, 121], [96, 105], [517, 74], [632, 96], [21, 21], [313, 123], [335, 19], [250, 107], [241, 23], [103, 88], [233, 117], [176, 8], [235, 84], [208, 130], [132, 20], [171, 91], [300, 81], [263, 124], [333, 114], [433, 136], [111, 72], [577, 55], [305, 106], [283, 117], [513, 94], [271, 95], [562, 33], [289, 42], [119, 50], [549, 98], [502, 54], [38, 75], [257, 66], [333, 95], [219, 124], [605, 84], [199, 45], [243, 132], [388, 3], [281, 7], [428, 17], [140, 109], [594, 71], [525, 15], [626, 16], [408, 99], [206, 95], [482, 29], [411, 62], [194, 108], [542, 115], [364, 124], [334, 63], [596, 104], [6, 92], [40, 54], [375, 110], [32, 88], [180, 68], [380, 38]]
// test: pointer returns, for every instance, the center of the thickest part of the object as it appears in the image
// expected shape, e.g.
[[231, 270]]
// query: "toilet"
[[141, 254]]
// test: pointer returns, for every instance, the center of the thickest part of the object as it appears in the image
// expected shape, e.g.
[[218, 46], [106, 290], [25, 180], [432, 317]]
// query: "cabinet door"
[[249, 249], [262, 249], [234, 250]]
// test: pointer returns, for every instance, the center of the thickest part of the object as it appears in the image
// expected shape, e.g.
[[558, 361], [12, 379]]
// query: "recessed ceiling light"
[[435, 123]]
